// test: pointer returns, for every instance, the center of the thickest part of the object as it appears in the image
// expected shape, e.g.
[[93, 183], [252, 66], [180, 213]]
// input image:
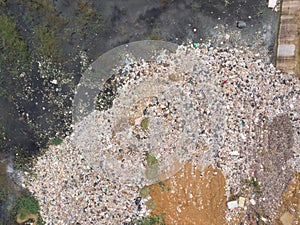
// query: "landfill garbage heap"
[[143, 110]]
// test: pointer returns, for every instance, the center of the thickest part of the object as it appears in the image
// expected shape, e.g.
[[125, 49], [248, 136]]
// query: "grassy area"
[[15, 56], [14, 51], [151, 160], [36, 5], [152, 166], [46, 25], [10, 36], [152, 220], [48, 43], [52, 30], [255, 185], [145, 191], [56, 141], [27, 206], [145, 124], [89, 18]]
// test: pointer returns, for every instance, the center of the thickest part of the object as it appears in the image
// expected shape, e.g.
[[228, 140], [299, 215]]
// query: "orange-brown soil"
[[288, 214], [191, 198], [28, 217]]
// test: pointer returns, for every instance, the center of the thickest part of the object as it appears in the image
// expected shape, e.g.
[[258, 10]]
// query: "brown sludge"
[[189, 198]]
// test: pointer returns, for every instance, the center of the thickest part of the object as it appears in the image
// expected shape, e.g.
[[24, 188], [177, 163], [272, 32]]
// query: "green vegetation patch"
[[255, 185], [27, 205], [89, 18], [145, 124], [56, 141], [39, 4], [152, 220], [234, 197], [152, 167], [145, 191], [151, 160], [10, 38], [48, 43], [15, 54]]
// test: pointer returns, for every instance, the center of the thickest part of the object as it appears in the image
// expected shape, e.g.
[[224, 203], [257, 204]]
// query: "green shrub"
[[15, 56], [10, 35], [56, 141], [145, 124], [14, 51], [27, 205], [152, 167], [48, 42], [256, 186], [151, 160], [145, 191], [152, 220]]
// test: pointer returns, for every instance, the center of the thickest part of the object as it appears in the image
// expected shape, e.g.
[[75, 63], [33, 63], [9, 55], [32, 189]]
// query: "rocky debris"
[[241, 24]]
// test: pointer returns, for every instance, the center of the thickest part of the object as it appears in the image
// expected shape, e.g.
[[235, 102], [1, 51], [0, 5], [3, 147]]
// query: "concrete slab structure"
[[286, 50], [232, 204], [272, 4]]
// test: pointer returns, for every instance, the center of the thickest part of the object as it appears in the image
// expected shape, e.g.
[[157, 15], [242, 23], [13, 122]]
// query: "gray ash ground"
[[271, 165]]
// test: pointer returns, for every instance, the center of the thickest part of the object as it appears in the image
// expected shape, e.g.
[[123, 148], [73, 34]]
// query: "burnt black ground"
[[175, 21]]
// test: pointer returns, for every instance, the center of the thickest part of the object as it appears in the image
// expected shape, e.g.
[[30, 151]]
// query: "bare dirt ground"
[[290, 207], [191, 197], [28, 217]]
